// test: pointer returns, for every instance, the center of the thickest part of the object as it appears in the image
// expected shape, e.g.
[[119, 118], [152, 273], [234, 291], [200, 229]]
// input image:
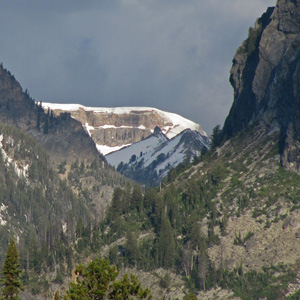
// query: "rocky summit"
[[113, 128], [265, 77]]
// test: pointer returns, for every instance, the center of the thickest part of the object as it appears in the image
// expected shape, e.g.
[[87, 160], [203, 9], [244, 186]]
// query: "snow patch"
[[64, 227], [89, 128], [20, 171], [104, 149], [139, 149], [3, 209]]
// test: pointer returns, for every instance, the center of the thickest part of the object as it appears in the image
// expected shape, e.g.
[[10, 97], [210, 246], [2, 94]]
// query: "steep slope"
[[113, 128], [64, 139], [39, 210], [265, 77], [227, 224], [149, 160]]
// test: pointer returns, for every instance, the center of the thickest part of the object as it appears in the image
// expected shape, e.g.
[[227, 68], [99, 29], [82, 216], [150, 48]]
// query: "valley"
[[150, 193]]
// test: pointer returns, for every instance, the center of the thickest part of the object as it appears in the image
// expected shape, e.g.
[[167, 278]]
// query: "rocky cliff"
[[265, 77], [113, 128]]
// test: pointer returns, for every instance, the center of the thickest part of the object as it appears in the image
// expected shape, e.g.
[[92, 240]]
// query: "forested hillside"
[[218, 223], [41, 211]]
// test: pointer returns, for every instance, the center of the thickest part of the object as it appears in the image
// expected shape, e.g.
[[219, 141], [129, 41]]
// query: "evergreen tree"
[[97, 281], [56, 295], [127, 287], [136, 198], [116, 203], [131, 249], [11, 273], [166, 244], [215, 137], [203, 265]]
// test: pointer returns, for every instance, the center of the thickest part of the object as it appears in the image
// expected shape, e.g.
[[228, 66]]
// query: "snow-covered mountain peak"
[[115, 127], [149, 160]]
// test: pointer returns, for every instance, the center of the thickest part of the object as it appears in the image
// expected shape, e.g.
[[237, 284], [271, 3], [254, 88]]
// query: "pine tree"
[[97, 281], [215, 137], [166, 244], [56, 295], [136, 198], [131, 249], [11, 273], [116, 203]]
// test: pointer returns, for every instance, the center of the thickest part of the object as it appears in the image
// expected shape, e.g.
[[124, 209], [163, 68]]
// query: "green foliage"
[[44, 209], [190, 297], [93, 280], [11, 282], [175, 212], [126, 287], [256, 285], [97, 280], [215, 137], [238, 240], [62, 167], [165, 281], [166, 244], [131, 249], [295, 296]]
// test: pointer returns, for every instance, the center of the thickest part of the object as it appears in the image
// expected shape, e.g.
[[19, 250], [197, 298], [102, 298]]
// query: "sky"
[[174, 55]]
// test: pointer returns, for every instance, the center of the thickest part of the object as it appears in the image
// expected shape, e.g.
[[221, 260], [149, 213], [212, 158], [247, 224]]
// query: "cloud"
[[171, 54]]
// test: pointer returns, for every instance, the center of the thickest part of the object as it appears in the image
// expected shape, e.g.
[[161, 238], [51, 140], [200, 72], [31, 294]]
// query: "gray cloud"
[[171, 54]]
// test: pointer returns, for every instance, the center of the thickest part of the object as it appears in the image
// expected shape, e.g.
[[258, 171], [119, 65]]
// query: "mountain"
[[148, 161], [40, 210], [64, 139], [59, 135], [225, 226], [229, 222], [125, 133], [113, 128], [265, 77]]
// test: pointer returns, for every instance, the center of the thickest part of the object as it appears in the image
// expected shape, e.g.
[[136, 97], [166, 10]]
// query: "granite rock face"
[[265, 76]]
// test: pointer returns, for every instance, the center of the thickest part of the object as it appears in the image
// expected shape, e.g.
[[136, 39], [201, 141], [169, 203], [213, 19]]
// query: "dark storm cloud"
[[171, 54]]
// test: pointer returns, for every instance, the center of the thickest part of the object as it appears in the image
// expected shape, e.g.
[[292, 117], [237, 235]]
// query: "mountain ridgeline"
[[142, 143], [150, 160], [112, 128], [63, 137]]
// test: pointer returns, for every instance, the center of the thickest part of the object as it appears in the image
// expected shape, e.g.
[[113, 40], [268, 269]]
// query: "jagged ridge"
[[149, 160]]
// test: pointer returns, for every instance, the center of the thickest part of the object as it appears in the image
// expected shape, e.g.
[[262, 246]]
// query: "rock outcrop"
[[266, 77]]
